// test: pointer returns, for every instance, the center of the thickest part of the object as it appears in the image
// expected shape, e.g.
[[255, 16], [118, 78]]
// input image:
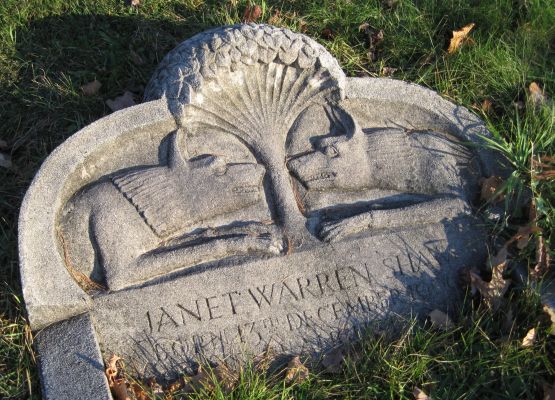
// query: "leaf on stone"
[[543, 259], [530, 338], [117, 384], [91, 88], [536, 95], [441, 320], [252, 13], [492, 292], [490, 189], [296, 371], [121, 102], [419, 394], [459, 37], [333, 360], [5, 160]]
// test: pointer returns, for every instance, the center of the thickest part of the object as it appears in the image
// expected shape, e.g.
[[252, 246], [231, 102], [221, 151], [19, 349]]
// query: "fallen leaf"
[[501, 256], [536, 95], [327, 33], [543, 259], [296, 371], [116, 383], [530, 338], [121, 102], [490, 189], [226, 377], [486, 106], [441, 320], [388, 71], [139, 392], [492, 292], [333, 360], [419, 394], [133, 3], [459, 37], [3, 145], [551, 312], [91, 88], [391, 3], [5, 160], [264, 360], [252, 13], [546, 166], [548, 392], [374, 38], [275, 18], [523, 235]]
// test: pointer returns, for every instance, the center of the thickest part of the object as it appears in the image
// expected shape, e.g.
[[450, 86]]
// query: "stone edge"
[[50, 293]]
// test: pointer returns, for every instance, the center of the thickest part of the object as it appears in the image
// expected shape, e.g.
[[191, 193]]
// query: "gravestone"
[[257, 199]]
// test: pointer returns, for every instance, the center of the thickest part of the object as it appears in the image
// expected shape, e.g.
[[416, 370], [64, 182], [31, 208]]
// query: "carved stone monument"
[[257, 198]]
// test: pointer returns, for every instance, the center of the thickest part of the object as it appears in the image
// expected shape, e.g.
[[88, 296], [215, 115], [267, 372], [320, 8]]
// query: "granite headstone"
[[257, 198]]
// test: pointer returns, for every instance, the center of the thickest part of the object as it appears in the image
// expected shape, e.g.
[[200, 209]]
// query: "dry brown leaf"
[[530, 338], [501, 256], [536, 95], [91, 88], [139, 392], [275, 19], [388, 71], [134, 3], [252, 13], [121, 102], [441, 320], [548, 392], [327, 33], [551, 312], [374, 37], [333, 360], [492, 292], [296, 371], [523, 235], [543, 259], [226, 377], [459, 37], [116, 383], [486, 106], [490, 189], [419, 394], [5, 160]]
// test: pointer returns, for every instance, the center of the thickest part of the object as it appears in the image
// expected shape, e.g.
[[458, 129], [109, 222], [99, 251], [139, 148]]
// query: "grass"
[[49, 49]]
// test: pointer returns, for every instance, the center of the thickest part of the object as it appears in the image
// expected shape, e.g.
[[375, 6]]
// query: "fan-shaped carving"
[[252, 82]]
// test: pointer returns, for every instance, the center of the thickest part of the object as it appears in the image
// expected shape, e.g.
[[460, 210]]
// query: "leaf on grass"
[[530, 338], [551, 312], [546, 165], [536, 95], [116, 383], [501, 256], [91, 88], [296, 371], [388, 71], [441, 320], [492, 292], [327, 33], [459, 37], [252, 13], [543, 259], [419, 394], [523, 235], [490, 189], [333, 360], [373, 37], [275, 19], [486, 106], [121, 102], [5, 160], [548, 392]]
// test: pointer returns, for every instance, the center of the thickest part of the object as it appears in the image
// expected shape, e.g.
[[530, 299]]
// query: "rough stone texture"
[[260, 198], [71, 366]]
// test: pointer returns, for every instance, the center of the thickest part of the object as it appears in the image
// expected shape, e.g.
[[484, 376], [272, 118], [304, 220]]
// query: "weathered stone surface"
[[258, 198]]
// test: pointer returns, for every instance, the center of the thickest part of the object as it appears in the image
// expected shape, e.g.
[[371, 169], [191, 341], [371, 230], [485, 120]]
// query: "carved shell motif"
[[247, 80]]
